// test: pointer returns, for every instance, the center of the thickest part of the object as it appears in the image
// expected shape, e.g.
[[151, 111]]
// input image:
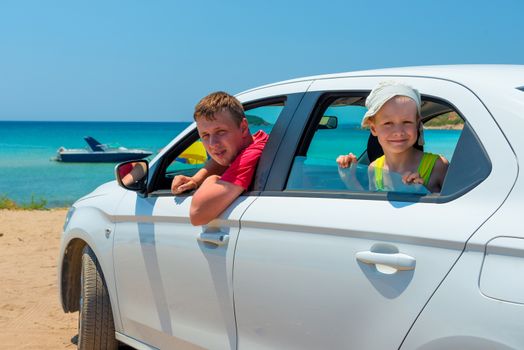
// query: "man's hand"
[[345, 161], [182, 183]]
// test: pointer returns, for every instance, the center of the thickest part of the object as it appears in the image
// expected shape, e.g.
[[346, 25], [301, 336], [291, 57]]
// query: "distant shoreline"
[[445, 127]]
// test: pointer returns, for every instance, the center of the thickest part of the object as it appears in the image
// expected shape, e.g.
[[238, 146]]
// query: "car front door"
[[174, 280], [334, 269]]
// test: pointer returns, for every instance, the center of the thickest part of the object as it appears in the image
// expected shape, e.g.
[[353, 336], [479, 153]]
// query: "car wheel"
[[96, 329]]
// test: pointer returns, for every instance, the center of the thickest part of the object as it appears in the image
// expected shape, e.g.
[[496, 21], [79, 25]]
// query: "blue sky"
[[153, 60]]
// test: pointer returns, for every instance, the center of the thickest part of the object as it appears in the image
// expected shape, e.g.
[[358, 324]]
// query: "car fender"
[[93, 227]]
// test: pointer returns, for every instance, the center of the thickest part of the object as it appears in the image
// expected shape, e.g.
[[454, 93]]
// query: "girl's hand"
[[345, 161], [412, 178]]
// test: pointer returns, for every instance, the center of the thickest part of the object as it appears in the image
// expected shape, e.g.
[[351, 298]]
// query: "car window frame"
[[301, 132], [291, 102]]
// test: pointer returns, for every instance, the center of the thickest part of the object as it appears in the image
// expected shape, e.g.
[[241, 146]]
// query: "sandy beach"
[[30, 313]]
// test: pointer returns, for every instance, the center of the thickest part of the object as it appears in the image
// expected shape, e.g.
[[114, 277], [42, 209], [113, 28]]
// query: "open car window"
[[315, 169], [189, 161], [189, 155]]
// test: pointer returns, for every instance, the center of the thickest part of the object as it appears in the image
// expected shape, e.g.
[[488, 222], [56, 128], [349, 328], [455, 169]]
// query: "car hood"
[[105, 198], [102, 190]]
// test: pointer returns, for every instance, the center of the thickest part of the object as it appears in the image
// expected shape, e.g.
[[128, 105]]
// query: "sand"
[[30, 313]]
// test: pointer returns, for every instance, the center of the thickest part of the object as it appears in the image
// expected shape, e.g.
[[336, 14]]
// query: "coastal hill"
[[449, 120], [255, 120]]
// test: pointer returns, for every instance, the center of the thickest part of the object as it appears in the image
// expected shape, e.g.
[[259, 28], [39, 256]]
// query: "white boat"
[[97, 152]]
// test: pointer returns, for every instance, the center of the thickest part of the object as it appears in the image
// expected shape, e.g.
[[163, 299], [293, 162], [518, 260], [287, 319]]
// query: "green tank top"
[[424, 169]]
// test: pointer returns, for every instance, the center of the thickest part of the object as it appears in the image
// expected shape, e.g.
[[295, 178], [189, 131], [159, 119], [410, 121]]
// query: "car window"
[[190, 155], [263, 117], [315, 167], [190, 160]]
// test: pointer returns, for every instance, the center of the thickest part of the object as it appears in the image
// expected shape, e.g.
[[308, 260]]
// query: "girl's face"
[[396, 125]]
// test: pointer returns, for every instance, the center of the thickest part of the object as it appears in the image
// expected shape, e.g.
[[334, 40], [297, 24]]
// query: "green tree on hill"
[[256, 120], [446, 119]]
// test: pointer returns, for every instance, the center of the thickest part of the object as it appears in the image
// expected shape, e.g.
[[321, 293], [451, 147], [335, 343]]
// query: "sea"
[[27, 151], [29, 172]]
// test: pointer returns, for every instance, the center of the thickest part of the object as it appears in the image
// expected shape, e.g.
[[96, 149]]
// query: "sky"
[[153, 60]]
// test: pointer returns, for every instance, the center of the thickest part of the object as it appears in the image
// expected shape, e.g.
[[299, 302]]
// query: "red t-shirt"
[[241, 171]]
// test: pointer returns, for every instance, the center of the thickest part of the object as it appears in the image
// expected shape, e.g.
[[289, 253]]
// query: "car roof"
[[508, 76]]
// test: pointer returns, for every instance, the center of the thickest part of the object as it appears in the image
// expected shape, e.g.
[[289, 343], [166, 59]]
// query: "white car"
[[303, 260]]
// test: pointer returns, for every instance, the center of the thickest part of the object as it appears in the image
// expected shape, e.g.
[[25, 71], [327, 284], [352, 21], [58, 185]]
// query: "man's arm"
[[182, 183], [218, 192], [211, 199]]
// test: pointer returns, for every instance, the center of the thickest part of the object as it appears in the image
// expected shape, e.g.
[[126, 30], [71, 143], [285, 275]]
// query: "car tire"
[[96, 329]]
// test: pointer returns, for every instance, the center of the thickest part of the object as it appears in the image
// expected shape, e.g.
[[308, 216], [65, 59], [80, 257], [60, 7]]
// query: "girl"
[[393, 116]]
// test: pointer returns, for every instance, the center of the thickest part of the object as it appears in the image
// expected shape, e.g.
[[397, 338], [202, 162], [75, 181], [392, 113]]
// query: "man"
[[234, 153]]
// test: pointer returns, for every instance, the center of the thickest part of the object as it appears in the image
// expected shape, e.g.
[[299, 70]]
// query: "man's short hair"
[[217, 102]]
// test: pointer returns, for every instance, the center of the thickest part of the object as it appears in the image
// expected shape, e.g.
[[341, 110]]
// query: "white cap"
[[384, 92]]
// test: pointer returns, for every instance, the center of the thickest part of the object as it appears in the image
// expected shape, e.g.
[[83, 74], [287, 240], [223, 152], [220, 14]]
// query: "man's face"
[[222, 137]]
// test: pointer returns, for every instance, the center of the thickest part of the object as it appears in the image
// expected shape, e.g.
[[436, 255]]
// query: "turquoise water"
[[329, 143], [26, 150]]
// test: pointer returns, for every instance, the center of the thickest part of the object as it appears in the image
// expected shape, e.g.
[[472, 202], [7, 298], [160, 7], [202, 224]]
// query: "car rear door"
[[310, 268]]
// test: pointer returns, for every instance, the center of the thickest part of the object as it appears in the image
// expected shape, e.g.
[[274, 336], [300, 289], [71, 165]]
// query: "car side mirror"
[[132, 175], [328, 122]]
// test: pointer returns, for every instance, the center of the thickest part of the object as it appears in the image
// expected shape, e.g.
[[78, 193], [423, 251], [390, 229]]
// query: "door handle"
[[397, 261], [218, 238]]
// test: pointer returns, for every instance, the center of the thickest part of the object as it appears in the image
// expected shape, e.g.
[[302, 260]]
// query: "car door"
[[174, 280], [326, 268]]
